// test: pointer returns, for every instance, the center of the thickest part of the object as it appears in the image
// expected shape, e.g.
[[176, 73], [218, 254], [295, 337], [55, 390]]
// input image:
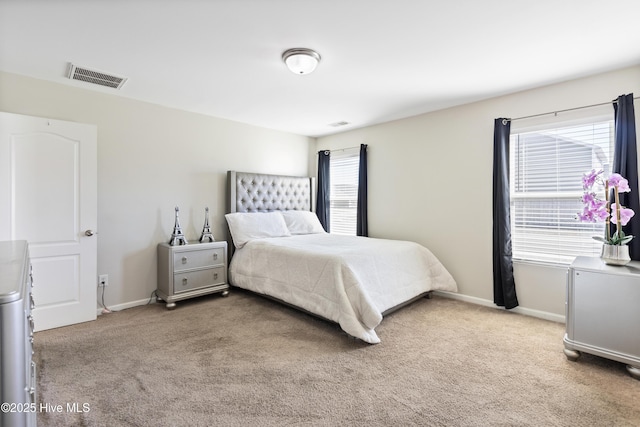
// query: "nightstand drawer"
[[184, 260], [198, 279]]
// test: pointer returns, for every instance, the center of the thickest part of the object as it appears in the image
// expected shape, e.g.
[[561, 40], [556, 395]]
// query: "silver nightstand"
[[192, 270], [602, 313]]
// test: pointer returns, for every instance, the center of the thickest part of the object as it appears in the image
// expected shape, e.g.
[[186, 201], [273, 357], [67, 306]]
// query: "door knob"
[[89, 233]]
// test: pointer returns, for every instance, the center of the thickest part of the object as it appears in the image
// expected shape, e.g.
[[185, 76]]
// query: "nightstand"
[[191, 270], [602, 314]]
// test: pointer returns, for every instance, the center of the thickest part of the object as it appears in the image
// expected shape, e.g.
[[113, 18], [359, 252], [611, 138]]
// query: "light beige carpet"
[[247, 361]]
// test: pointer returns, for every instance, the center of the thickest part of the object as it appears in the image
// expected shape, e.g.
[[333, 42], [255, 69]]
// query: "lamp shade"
[[301, 60]]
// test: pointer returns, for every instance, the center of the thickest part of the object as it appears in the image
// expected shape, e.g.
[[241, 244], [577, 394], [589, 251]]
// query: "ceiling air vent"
[[95, 77], [338, 124]]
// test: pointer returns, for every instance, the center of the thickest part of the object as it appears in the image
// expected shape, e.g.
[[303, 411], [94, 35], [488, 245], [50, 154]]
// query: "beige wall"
[[430, 180], [150, 159], [429, 176]]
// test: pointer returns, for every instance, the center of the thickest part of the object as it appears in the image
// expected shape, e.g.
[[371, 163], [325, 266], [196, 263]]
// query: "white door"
[[48, 196]]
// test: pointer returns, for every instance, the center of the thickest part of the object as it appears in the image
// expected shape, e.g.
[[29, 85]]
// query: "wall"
[[430, 180], [429, 176], [150, 159]]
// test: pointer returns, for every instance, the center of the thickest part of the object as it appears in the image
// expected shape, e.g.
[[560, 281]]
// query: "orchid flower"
[[590, 200], [616, 180], [598, 210], [592, 216], [589, 178], [625, 214]]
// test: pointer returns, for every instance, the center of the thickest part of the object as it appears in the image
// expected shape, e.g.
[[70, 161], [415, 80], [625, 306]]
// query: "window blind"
[[343, 197], [546, 189]]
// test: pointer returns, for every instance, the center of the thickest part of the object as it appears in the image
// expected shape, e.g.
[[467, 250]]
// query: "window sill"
[[561, 265]]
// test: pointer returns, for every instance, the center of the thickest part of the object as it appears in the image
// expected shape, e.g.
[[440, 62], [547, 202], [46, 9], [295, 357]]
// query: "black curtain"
[[322, 200], [626, 164], [362, 224], [504, 286]]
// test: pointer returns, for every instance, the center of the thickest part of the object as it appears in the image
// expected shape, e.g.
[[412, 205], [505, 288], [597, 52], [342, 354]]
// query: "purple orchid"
[[625, 214], [589, 198], [616, 180], [592, 202], [589, 178], [598, 210], [594, 212]]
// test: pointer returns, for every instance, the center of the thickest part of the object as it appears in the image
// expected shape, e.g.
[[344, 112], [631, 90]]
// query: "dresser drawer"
[[196, 259], [198, 279]]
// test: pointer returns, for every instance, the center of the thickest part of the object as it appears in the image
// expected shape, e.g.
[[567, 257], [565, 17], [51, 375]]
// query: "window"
[[343, 197], [546, 189]]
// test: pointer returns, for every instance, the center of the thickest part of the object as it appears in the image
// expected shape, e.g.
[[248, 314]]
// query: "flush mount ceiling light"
[[301, 60]]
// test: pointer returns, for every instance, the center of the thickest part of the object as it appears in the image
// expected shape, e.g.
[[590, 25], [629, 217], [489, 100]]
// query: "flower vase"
[[615, 254]]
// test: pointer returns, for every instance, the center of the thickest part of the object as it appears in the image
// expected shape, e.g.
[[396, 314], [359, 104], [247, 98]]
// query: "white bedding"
[[347, 279]]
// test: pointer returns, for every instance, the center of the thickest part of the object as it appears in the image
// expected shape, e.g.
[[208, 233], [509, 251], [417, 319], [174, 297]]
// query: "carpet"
[[248, 361]]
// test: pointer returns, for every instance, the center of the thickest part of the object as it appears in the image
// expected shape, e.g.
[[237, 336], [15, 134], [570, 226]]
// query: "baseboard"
[[126, 305], [466, 298], [520, 310]]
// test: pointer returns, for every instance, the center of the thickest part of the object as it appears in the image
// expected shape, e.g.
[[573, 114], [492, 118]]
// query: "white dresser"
[[17, 369], [603, 311], [192, 270]]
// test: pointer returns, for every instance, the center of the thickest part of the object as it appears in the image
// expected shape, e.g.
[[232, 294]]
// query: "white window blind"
[[343, 197], [546, 189]]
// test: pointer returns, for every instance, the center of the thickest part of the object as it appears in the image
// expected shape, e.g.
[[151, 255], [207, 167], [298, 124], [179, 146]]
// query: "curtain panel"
[[625, 162], [504, 286], [362, 223], [323, 194]]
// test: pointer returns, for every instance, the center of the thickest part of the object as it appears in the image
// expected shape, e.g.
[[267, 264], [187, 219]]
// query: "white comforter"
[[350, 280]]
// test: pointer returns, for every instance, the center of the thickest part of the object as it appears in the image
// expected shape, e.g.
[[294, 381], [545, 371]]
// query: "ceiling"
[[381, 60]]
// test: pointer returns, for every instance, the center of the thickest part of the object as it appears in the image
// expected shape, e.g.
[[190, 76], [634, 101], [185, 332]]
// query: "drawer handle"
[[184, 259], [215, 256], [215, 276], [184, 281], [32, 383]]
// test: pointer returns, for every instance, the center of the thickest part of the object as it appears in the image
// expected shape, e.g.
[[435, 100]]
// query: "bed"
[[281, 251]]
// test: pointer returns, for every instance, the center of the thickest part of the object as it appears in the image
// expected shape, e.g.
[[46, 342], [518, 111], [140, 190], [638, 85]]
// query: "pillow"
[[245, 226], [302, 222]]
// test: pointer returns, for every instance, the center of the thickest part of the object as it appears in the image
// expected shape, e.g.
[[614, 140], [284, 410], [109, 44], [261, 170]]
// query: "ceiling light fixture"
[[301, 60]]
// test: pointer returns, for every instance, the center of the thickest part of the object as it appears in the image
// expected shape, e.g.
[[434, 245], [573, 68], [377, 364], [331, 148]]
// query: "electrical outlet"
[[103, 280]]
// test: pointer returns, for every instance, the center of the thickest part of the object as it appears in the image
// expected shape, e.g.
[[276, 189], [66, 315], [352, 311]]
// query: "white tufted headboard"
[[254, 192]]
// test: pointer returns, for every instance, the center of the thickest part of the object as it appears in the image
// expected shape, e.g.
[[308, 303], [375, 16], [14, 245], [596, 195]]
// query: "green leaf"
[[626, 240]]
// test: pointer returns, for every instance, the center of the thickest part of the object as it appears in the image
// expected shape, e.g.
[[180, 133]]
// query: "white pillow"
[[245, 226], [302, 222]]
